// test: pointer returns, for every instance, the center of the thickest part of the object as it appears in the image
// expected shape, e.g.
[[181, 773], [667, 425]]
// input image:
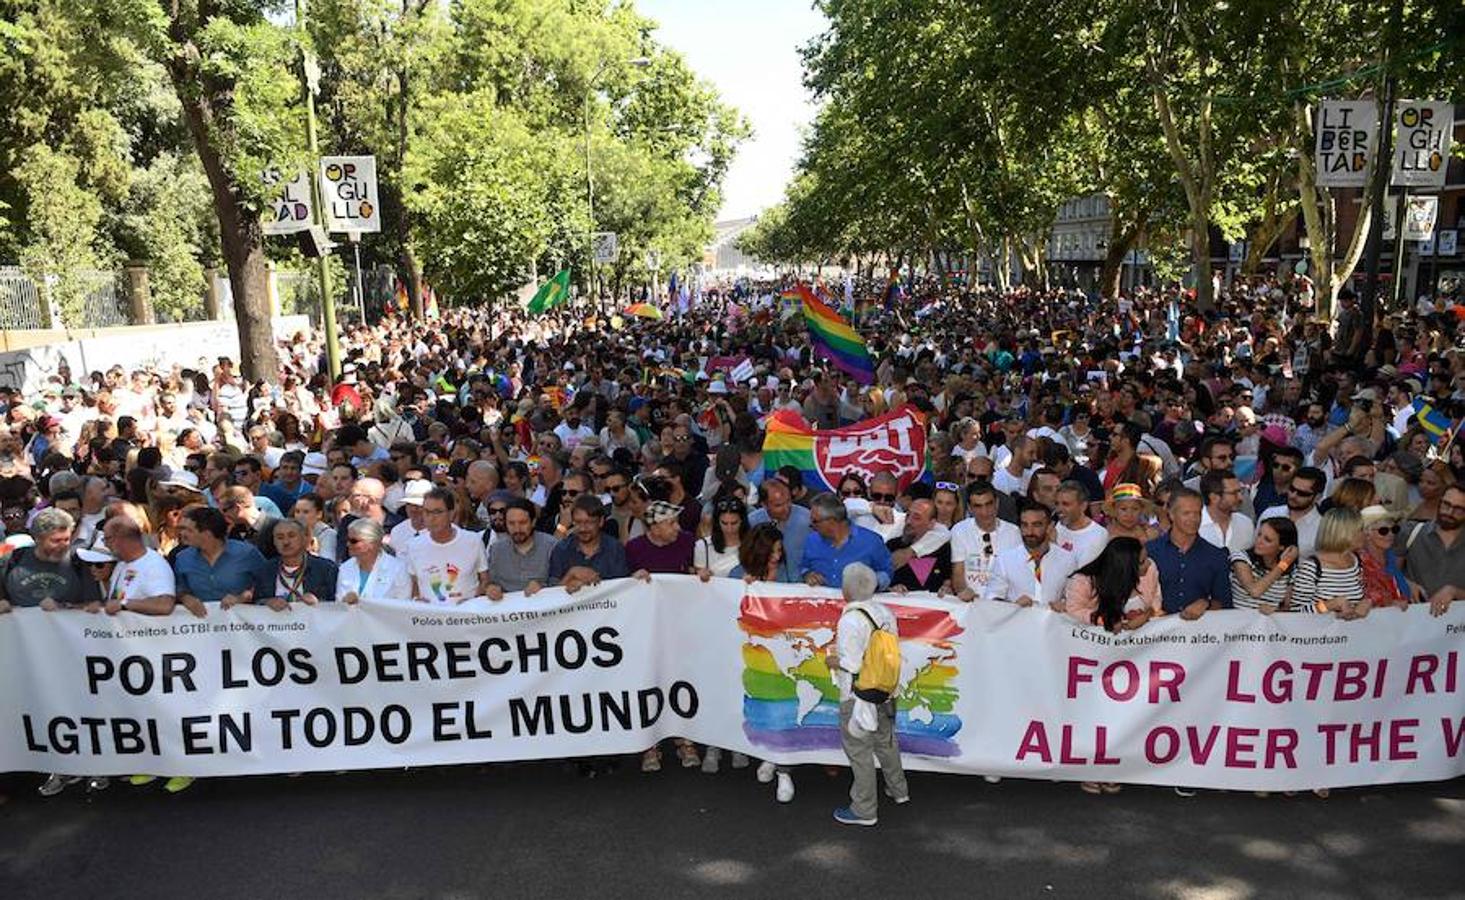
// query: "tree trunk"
[[410, 266], [1122, 238], [1197, 177], [240, 231]]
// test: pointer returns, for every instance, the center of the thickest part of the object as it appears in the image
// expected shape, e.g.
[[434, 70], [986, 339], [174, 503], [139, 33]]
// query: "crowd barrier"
[[1235, 700]]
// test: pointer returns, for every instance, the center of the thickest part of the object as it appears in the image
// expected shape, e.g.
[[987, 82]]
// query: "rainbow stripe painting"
[[790, 703], [833, 338]]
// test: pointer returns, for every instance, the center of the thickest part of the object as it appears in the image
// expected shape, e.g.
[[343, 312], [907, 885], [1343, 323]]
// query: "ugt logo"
[[896, 445]]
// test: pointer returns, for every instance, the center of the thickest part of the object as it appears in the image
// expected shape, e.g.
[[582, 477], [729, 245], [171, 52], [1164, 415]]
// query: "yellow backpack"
[[879, 673]]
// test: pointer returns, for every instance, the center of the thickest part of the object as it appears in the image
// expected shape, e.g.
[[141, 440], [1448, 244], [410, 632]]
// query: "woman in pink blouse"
[[1119, 590]]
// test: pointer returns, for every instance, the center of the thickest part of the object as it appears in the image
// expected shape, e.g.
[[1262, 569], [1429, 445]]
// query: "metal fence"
[[20, 299]]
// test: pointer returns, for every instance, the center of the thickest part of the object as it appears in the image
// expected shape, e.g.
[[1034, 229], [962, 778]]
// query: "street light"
[[639, 62]]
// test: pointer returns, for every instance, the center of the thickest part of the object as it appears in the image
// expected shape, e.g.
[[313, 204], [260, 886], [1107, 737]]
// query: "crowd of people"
[[1112, 460]]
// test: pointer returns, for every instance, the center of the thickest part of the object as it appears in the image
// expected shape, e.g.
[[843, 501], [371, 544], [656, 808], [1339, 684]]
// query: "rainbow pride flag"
[[894, 443], [833, 338], [790, 701]]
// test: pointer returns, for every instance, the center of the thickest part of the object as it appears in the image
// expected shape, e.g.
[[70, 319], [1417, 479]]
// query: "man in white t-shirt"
[[1076, 532], [142, 581], [400, 538], [447, 564], [1012, 476], [572, 430], [977, 539]]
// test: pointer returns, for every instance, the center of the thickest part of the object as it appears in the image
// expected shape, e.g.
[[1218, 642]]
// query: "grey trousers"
[[863, 751]]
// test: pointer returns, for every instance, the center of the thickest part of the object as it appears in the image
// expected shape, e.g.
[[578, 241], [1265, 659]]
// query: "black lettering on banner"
[[303, 666], [460, 659], [197, 736], [320, 727], [610, 709], [285, 717], [539, 651], [421, 655], [566, 641], [604, 640], [486, 663], [445, 720], [396, 724], [226, 666], [648, 714], [351, 665], [567, 714], [62, 736], [136, 674], [525, 722], [683, 699], [383, 655], [358, 726]]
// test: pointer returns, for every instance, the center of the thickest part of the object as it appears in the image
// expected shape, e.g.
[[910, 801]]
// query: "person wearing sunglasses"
[[1433, 554], [1303, 494], [1384, 581]]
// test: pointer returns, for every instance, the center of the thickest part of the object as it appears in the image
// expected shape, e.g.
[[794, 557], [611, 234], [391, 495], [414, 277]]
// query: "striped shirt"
[[1315, 581], [1275, 593]]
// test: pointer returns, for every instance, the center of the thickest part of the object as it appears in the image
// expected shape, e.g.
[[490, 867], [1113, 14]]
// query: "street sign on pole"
[[348, 189], [605, 246]]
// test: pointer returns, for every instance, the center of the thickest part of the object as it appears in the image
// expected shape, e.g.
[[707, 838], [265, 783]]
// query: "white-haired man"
[[866, 729]]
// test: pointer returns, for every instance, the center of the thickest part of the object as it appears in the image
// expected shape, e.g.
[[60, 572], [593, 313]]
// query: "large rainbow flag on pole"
[[833, 338]]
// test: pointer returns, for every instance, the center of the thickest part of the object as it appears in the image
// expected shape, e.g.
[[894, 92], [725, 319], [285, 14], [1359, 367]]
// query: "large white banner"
[[1346, 134], [1235, 700], [1422, 142]]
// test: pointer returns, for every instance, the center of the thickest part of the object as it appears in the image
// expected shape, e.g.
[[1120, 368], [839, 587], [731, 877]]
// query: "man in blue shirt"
[[835, 543], [779, 508], [212, 568], [1194, 573]]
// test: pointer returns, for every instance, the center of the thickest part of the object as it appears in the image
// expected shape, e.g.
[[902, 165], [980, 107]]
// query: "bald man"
[[921, 554]]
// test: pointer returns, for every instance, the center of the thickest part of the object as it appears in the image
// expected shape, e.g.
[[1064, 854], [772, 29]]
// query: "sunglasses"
[[570, 495], [947, 486], [497, 510], [1301, 493], [1387, 529], [852, 492], [883, 498]]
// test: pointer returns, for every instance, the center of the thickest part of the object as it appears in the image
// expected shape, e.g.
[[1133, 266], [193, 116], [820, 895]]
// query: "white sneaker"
[[785, 791], [766, 771], [991, 779], [711, 760], [739, 760], [55, 784]]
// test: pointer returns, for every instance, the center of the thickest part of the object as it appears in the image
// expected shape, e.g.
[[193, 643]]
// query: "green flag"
[[554, 292]]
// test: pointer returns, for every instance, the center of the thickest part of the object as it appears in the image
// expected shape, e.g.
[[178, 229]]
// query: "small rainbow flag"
[[833, 338]]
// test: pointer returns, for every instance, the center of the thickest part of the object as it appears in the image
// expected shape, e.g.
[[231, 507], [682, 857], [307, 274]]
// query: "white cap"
[[313, 464], [181, 479], [96, 553], [416, 491]]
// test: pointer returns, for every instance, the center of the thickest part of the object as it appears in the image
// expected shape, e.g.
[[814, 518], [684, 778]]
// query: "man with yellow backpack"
[[865, 664]]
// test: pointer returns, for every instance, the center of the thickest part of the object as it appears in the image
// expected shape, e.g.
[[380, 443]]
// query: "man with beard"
[[1301, 507], [1035, 572], [1311, 430], [521, 562], [1434, 553]]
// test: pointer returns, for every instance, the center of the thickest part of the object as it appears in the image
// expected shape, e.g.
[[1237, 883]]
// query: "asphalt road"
[[541, 831]]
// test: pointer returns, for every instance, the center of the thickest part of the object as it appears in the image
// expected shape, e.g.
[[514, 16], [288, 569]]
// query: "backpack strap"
[[866, 613]]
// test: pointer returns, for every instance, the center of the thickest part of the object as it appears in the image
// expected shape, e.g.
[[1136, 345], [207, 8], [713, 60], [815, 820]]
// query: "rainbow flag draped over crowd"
[[894, 442], [832, 337]]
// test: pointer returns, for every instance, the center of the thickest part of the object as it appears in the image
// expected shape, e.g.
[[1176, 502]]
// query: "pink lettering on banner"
[[1121, 681], [1336, 681], [1422, 669], [1454, 736], [1035, 742], [1364, 741]]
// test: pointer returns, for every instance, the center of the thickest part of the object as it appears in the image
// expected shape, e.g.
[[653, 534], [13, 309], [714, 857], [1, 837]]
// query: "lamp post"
[[639, 62], [310, 72]]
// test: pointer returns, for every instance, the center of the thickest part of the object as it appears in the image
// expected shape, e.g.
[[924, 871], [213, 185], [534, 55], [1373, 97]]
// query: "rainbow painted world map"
[[790, 703]]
